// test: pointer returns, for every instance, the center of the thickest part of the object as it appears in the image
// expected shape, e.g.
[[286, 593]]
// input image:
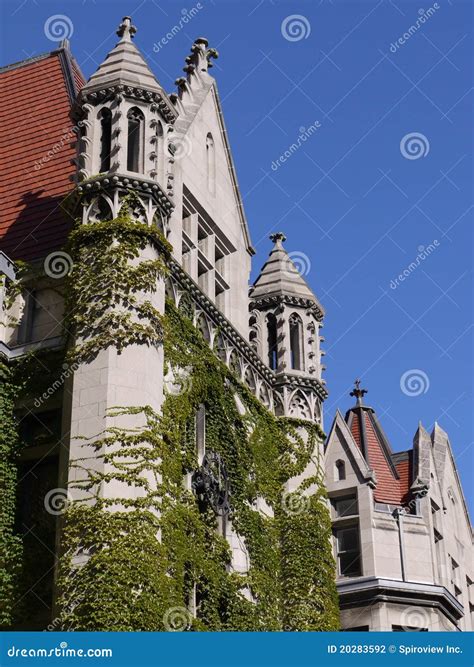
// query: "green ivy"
[[10, 542], [134, 561]]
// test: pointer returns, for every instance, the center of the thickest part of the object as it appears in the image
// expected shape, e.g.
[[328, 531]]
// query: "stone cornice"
[[119, 91], [292, 381], [222, 322], [364, 591], [110, 181], [277, 299]]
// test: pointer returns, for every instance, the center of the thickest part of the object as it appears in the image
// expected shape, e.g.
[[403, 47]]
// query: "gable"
[[223, 204], [340, 445]]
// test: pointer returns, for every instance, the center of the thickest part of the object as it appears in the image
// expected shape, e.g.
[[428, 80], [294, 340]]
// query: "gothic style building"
[[402, 539]]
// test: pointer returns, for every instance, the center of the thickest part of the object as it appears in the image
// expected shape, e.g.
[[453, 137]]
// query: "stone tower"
[[285, 322], [125, 119]]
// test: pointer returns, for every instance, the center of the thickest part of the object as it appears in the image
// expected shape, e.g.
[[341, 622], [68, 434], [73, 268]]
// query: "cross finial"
[[126, 30], [278, 238], [358, 392]]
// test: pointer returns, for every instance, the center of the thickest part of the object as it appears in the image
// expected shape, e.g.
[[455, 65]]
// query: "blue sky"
[[359, 199]]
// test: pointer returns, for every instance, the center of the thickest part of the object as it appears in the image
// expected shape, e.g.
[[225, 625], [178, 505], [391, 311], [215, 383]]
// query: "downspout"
[[398, 515]]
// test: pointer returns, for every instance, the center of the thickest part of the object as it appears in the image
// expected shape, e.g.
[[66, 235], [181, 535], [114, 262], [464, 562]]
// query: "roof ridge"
[[64, 46]]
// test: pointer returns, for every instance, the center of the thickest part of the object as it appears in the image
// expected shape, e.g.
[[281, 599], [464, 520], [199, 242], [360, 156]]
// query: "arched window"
[[340, 470], [136, 122], [272, 340], [200, 429], [160, 151], [211, 164], [105, 116], [296, 342]]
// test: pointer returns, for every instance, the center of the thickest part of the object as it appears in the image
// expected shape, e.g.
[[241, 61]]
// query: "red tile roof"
[[36, 149], [393, 479], [405, 473]]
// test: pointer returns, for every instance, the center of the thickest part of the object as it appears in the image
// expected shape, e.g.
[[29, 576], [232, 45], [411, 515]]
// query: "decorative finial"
[[201, 55], [126, 30], [358, 393], [278, 238]]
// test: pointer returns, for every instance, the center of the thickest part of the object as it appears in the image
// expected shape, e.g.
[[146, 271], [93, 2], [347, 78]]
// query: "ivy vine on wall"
[[132, 560]]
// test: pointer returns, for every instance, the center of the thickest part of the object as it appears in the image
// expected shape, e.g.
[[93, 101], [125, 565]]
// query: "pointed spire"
[[280, 276], [126, 30], [421, 450], [124, 65], [358, 393]]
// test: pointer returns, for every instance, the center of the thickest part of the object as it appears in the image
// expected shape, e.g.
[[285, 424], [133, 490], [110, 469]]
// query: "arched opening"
[[203, 325], [136, 122], [340, 470], [105, 117], [272, 341], [211, 164], [296, 342], [160, 151]]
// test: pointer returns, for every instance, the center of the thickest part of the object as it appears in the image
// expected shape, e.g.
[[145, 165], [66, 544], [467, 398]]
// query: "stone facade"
[[403, 563], [173, 151]]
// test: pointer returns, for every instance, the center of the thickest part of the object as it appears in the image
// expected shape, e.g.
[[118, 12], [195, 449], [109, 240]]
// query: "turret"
[[125, 120], [285, 322]]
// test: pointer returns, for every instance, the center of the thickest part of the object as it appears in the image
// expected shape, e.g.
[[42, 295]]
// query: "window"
[[272, 341], [348, 552], [201, 433], [105, 116], [136, 122], [211, 164], [455, 582], [407, 628], [345, 507], [40, 428], [340, 471], [296, 342], [160, 152], [28, 315]]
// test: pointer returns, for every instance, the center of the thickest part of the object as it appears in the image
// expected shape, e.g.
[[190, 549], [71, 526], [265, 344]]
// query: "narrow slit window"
[[136, 123], [105, 138], [211, 164], [340, 471], [272, 341], [296, 342]]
